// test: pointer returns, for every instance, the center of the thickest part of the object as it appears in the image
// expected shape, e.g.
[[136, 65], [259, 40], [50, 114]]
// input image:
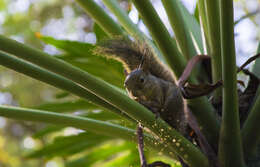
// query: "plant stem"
[[56, 81], [230, 146], [213, 22], [250, 131], [101, 17], [184, 149], [180, 28]]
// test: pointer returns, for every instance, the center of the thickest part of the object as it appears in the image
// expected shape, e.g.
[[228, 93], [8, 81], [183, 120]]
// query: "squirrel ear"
[[143, 66], [141, 63]]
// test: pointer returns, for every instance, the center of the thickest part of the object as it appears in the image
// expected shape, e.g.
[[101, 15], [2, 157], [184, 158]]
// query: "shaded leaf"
[[193, 27], [100, 34], [67, 106], [47, 130], [61, 95]]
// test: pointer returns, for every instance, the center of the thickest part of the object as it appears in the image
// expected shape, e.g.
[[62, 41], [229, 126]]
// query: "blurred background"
[[63, 19]]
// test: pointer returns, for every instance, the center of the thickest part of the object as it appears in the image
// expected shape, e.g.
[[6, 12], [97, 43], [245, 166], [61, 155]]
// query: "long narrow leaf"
[[104, 90], [128, 25], [250, 132], [213, 25], [230, 145], [161, 36], [193, 27], [63, 146], [180, 28], [99, 154], [90, 125], [68, 106], [101, 17], [81, 55], [54, 80]]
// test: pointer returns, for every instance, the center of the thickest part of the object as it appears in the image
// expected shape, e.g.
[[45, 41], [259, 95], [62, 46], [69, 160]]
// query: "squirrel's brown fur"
[[131, 53]]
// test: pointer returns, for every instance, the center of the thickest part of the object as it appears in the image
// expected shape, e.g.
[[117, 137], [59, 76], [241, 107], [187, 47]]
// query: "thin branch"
[[248, 15]]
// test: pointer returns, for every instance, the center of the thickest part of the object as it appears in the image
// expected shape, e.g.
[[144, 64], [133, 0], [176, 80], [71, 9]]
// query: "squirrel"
[[153, 85], [148, 81]]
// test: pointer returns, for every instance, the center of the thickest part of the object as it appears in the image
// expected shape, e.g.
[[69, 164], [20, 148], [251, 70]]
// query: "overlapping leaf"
[[68, 145], [80, 55], [106, 153]]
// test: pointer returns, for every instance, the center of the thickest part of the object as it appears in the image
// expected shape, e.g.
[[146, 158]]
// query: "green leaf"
[[100, 34], [61, 95], [112, 73], [197, 13], [180, 20], [110, 94], [47, 130], [98, 14], [102, 153], [127, 159], [102, 115], [67, 106], [193, 26], [68, 144], [80, 55]]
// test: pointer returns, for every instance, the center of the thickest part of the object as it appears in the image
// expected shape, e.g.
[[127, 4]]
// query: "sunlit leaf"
[[127, 159], [64, 146], [100, 154], [80, 55]]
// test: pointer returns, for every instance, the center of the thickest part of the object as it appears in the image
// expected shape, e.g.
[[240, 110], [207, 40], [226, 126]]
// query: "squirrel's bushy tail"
[[131, 54]]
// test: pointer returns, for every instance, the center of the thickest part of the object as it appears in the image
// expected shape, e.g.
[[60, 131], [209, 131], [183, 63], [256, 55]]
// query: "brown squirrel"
[[153, 85], [148, 81]]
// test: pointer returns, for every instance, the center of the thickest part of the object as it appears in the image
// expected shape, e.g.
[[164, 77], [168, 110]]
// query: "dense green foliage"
[[91, 96]]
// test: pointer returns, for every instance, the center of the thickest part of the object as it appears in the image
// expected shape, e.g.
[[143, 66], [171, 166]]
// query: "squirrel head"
[[136, 81]]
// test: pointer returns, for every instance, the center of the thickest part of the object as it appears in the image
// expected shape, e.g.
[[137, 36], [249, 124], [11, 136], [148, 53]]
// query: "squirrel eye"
[[142, 80]]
